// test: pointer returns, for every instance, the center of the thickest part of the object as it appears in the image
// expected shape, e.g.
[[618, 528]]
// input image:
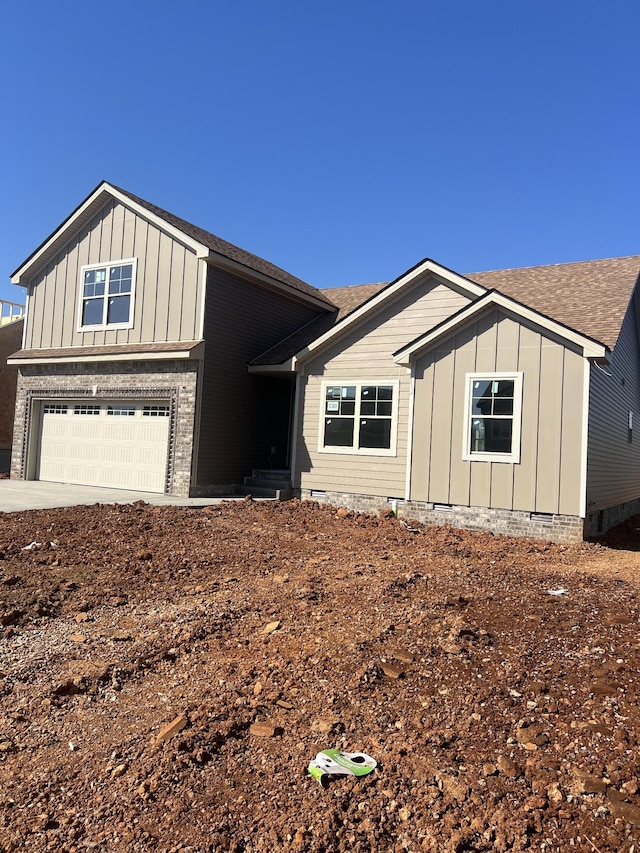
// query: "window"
[[121, 411], [85, 409], [55, 409], [155, 412], [107, 295], [492, 417], [359, 417]]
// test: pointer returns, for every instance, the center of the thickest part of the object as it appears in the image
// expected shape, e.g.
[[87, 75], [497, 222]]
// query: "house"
[[158, 357], [133, 368], [500, 400]]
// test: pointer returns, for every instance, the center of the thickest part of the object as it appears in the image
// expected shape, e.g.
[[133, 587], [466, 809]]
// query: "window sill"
[[354, 451], [513, 458], [109, 327]]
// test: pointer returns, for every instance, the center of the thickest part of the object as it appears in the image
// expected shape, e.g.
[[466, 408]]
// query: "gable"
[[167, 291], [521, 313], [591, 297], [546, 476], [370, 343]]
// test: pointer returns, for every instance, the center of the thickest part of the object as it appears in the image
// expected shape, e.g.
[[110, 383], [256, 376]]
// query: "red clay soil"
[[143, 644]]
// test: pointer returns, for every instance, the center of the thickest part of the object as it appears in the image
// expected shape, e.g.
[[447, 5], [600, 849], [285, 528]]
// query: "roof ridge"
[[560, 264], [345, 286]]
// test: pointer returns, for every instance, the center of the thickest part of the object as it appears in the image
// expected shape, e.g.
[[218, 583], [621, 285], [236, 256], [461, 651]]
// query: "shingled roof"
[[228, 250], [345, 300], [589, 296]]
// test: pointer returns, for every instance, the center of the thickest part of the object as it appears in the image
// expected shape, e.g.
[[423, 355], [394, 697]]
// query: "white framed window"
[[493, 417], [359, 417], [107, 295]]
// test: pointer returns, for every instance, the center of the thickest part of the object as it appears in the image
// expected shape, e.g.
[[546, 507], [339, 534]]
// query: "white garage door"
[[105, 443]]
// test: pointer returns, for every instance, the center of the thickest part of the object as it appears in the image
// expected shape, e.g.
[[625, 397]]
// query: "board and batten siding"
[[237, 423], [366, 354], [168, 286], [547, 478], [613, 462]]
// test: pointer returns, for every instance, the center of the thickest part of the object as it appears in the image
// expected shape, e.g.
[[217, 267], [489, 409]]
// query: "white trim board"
[[590, 347]]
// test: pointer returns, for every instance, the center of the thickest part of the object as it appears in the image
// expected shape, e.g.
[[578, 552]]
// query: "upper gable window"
[[493, 417], [107, 295]]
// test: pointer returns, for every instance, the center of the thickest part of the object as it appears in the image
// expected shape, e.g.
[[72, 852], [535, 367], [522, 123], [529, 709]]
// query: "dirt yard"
[[166, 675]]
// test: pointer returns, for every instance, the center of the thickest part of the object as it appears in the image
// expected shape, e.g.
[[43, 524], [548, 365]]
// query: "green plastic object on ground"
[[333, 762]]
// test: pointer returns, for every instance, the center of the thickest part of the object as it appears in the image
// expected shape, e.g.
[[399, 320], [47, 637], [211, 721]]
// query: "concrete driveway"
[[18, 495]]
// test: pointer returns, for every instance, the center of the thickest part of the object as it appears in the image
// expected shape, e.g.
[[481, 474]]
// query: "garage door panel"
[[100, 449]]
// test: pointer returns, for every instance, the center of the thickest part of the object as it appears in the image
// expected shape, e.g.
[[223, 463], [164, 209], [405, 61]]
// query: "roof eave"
[[195, 353], [388, 293], [92, 204], [216, 259], [288, 366], [591, 348]]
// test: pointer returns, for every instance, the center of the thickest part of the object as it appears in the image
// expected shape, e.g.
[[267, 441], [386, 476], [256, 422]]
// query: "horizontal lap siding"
[[342, 472], [613, 464], [366, 355], [167, 288], [242, 321], [547, 478]]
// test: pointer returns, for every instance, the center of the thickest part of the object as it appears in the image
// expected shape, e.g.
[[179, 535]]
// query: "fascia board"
[[388, 294], [590, 348], [200, 249], [288, 366], [69, 225]]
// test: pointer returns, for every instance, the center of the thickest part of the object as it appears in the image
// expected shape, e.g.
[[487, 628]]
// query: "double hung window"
[[107, 295], [359, 417], [493, 411]]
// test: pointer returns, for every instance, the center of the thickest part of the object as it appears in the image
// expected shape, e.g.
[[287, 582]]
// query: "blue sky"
[[344, 141]]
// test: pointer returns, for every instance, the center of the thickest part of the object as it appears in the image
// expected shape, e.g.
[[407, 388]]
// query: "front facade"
[[481, 421], [132, 371], [158, 357]]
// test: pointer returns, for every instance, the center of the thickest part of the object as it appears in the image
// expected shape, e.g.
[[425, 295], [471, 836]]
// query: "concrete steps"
[[267, 484]]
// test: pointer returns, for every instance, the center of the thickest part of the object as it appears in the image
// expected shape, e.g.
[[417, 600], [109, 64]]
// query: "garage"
[[118, 444]]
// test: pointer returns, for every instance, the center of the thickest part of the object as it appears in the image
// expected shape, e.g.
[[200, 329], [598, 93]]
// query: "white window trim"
[[514, 456], [107, 265], [361, 451]]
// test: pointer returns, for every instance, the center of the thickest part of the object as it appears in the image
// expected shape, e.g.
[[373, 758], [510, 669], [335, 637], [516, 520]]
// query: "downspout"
[[585, 438]]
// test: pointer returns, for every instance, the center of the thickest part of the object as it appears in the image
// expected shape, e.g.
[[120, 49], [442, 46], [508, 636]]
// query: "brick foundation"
[[599, 521], [175, 381], [556, 528]]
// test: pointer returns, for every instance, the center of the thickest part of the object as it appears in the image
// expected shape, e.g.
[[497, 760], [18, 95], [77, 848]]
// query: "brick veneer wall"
[[556, 528], [599, 521], [175, 381]]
